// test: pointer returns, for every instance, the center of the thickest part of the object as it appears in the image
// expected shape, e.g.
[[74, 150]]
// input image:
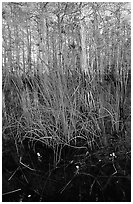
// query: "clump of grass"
[[58, 109]]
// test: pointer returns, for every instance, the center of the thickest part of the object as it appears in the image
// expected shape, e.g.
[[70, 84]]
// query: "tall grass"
[[63, 109]]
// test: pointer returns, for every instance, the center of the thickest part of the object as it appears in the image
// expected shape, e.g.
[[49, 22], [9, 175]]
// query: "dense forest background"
[[66, 81], [40, 36]]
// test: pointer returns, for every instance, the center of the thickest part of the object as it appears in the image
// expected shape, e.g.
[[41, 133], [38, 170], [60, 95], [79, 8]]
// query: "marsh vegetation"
[[66, 98]]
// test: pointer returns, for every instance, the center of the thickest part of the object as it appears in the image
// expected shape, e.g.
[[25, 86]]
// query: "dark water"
[[78, 177]]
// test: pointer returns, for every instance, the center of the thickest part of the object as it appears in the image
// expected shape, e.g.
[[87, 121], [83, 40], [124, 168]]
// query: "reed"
[[58, 109]]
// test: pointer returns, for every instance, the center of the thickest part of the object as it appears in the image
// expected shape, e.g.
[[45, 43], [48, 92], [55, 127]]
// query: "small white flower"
[[29, 196], [113, 154], [77, 167], [38, 154]]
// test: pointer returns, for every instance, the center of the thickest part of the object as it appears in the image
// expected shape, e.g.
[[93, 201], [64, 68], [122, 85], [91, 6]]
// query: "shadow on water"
[[99, 176]]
